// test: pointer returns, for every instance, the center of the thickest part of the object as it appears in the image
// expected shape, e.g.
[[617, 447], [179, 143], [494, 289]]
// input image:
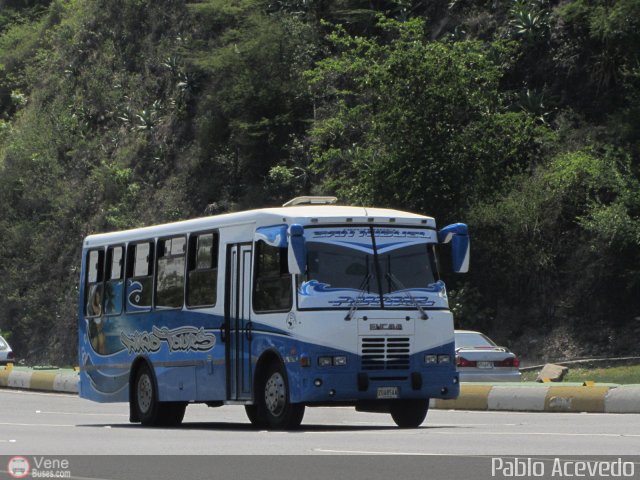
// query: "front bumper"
[[354, 386]]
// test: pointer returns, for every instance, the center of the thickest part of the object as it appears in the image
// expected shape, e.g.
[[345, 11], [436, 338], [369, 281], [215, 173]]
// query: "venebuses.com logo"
[[39, 467], [18, 467]]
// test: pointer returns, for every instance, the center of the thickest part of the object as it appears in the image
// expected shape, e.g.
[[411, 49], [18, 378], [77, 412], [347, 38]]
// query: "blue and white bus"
[[274, 309]]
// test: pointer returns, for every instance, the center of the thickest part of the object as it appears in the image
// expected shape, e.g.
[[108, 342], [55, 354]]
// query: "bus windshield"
[[380, 267], [347, 268]]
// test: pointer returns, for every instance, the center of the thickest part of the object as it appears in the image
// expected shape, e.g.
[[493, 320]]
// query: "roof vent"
[[311, 201]]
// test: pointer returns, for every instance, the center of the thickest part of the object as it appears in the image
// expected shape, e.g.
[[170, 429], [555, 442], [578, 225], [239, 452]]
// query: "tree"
[[561, 248], [417, 124]]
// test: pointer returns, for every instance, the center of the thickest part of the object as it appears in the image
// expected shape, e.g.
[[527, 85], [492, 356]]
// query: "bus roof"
[[315, 215]]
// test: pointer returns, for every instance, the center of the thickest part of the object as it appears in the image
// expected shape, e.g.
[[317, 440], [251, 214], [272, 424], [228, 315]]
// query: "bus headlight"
[[340, 361], [444, 358], [430, 359], [325, 361], [337, 361]]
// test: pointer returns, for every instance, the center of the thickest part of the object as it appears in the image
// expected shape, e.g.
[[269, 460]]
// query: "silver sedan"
[[480, 359], [6, 354]]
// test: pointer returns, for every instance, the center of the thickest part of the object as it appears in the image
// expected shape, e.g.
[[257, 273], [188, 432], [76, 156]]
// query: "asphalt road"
[[59, 424]]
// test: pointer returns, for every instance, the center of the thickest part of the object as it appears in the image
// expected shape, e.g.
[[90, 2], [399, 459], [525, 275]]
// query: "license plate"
[[388, 392], [485, 364]]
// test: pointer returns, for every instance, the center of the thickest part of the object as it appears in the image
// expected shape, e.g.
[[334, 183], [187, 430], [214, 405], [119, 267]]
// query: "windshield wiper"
[[415, 303], [361, 290]]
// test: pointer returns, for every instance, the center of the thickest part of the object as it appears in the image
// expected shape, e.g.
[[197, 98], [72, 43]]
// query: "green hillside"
[[518, 117]]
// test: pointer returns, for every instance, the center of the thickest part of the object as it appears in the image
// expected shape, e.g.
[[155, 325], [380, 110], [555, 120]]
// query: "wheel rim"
[[275, 394], [145, 393]]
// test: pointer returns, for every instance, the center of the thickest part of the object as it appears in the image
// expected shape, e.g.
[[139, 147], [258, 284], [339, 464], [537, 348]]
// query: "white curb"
[[623, 399], [517, 398], [19, 379], [65, 382]]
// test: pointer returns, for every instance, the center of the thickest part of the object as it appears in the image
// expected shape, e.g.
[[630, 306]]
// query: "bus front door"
[[238, 321]]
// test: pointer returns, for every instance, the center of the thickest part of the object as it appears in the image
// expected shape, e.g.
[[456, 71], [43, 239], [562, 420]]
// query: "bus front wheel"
[[256, 417], [409, 413], [275, 407]]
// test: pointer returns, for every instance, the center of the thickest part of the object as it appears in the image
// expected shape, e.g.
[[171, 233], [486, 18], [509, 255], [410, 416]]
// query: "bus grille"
[[385, 353]]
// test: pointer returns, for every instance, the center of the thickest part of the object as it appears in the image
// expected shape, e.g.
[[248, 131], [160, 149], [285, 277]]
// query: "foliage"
[[597, 50], [253, 97], [518, 117], [627, 374], [417, 124], [572, 227]]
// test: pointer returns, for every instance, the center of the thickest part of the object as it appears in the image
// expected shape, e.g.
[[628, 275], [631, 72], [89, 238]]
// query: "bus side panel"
[[176, 383], [106, 384], [182, 346]]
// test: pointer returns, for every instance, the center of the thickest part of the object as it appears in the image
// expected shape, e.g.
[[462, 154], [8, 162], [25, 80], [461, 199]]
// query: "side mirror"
[[458, 235], [297, 254]]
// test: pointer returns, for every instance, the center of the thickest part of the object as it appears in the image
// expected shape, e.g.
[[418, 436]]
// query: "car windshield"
[[3, 344], [473, 340]]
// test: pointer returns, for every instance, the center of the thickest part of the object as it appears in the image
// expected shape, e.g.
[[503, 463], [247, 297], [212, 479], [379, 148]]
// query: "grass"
[[628, 374]]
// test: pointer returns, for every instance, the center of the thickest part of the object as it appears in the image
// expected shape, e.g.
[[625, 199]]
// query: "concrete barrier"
[[525, 397], [472, 397], [575, 399], [48, 381], [624, 399], [537, 397], [66, 383]]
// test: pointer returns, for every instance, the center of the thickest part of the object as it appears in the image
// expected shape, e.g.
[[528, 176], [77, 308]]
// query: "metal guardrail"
[[586, 361]]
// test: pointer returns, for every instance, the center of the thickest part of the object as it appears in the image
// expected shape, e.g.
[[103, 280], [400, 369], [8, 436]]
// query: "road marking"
[[434, 411], [28, 392], [387, 430], [555, 434], [428, 431], [430, 424], [82, 413], [367, 452], [34, 425]]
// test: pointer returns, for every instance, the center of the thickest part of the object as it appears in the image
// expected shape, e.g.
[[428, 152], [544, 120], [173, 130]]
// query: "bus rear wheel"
[[149, 410], [171, 413], [274, 405], [409, 413]]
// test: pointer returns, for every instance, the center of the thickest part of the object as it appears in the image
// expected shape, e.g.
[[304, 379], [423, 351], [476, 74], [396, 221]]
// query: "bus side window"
[[170, 272], [114, 284], [272, 290], [94, 286], [139, 276], [203, 270]]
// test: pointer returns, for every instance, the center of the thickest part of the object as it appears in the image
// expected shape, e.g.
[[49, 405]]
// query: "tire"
[[256, 417], [149, 411], [273, 401], [145, 396], [171, 414], [409, 413]]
